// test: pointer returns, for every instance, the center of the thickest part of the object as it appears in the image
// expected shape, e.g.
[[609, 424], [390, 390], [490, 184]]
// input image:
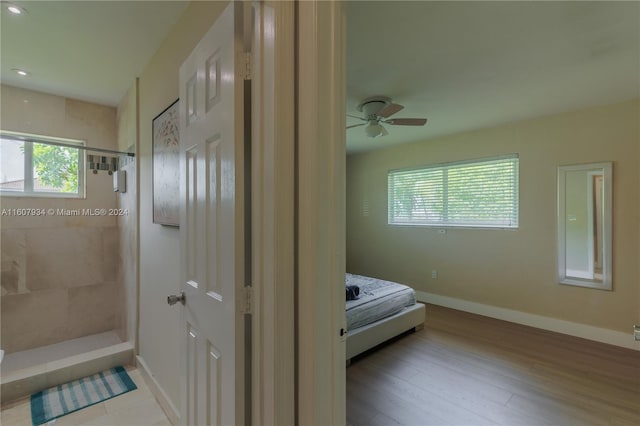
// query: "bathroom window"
[[479, 193], [38, 166]]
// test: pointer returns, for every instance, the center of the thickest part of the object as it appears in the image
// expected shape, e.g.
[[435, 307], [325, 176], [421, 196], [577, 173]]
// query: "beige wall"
[[159, 343], [514, 269], [60, 274]]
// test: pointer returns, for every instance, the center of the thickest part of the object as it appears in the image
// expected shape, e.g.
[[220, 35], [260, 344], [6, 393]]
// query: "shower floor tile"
[[137, 407]]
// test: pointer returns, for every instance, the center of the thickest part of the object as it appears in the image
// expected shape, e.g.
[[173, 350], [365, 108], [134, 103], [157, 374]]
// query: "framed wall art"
[[166, 172]]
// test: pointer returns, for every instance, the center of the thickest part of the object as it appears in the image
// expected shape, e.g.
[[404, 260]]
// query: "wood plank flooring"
[[465, 369]]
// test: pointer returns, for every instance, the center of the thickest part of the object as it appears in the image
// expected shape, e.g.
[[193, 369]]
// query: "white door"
[[212, 226]]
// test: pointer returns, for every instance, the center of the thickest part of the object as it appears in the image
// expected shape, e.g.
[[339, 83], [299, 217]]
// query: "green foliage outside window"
[[56, 166]]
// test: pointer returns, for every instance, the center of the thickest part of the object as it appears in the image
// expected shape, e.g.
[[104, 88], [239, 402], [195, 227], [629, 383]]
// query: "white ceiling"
[[463, 65], [88, 50], [469, 65]]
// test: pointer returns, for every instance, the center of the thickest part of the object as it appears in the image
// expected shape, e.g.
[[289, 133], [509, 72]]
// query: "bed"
[[383, 310]]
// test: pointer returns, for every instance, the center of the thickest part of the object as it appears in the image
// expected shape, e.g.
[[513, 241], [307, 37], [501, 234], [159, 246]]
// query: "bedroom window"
[[478, 193], [36, 166]]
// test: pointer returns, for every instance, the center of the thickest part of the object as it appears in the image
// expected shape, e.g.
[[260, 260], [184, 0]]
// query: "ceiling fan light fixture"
[[374, 129], [377, 110]]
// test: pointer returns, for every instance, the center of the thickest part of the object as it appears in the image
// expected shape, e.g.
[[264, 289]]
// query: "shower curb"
[[21, 383]]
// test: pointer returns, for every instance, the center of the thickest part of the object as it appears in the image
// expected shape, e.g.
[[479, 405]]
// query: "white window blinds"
[[478, 193]]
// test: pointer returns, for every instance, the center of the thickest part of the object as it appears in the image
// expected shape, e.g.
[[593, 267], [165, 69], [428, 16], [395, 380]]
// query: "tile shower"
[[57, 284], [62, 301], [65, 281]]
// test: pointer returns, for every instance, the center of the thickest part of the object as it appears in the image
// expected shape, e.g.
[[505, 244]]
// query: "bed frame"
[[366, 337]]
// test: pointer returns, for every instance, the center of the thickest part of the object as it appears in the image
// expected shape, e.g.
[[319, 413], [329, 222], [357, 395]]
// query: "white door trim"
[[272, 152], [321, 191]]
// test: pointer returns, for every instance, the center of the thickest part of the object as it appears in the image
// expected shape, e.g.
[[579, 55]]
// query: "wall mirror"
[[584, 225]]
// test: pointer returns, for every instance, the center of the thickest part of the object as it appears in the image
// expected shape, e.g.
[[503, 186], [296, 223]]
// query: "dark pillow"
[[353, 291]]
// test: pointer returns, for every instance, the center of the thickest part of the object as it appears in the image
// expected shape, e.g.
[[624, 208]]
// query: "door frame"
[[272, 213], [298, 212], [321, 193]]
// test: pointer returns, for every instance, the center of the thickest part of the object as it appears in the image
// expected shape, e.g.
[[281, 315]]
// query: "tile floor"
[[135, 408]]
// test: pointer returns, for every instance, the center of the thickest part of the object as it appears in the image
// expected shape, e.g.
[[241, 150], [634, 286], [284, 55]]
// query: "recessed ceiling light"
[[20, 72], [14, 9]]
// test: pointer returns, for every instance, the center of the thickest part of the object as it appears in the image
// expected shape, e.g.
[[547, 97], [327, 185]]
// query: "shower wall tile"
[[127, 227], [59, 284], [13, 261], [33, 319], [97, 120], [64, 257], [9, 278], [121, 314], [91, 309], [111, 251]]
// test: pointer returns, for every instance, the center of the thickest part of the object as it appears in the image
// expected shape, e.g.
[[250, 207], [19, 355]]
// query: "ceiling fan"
[[377, 110]]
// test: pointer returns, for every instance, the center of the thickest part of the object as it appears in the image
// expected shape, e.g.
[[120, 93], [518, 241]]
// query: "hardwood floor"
[[465, 369]]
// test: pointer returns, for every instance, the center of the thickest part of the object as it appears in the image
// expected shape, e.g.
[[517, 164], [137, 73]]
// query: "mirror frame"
[[607, 228]]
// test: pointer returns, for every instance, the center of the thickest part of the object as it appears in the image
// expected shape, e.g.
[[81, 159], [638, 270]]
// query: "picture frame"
[[165, 170]]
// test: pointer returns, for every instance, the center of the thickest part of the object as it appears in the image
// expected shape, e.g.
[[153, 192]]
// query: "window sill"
[[482, 227], [16, 195]]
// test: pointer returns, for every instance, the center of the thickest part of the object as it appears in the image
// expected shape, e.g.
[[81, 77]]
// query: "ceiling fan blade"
[[389, 110], [355, 116], [356, 125], [406, 121]]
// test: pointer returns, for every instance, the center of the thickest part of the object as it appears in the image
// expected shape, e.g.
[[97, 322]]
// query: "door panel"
[[212, 227], [189, 218], [213, 157]]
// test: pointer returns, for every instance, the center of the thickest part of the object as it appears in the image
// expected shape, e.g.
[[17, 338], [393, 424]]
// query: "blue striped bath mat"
[[64, 399]]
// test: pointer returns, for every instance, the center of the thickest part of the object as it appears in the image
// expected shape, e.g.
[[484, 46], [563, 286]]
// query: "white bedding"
[[378, 299]]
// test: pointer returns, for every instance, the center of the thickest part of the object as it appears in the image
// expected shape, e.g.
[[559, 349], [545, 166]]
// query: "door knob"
[[175, 298]]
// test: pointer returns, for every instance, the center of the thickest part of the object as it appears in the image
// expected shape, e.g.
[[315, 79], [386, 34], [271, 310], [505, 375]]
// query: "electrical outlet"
[[434, 274], [636, 332]]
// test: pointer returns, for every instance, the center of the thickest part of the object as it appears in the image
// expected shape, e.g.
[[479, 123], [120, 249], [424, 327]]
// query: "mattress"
[[378, 299]]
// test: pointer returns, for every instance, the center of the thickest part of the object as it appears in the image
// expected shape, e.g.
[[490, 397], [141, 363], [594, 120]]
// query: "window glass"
[[11, 165], [37, 166], [479, 193]]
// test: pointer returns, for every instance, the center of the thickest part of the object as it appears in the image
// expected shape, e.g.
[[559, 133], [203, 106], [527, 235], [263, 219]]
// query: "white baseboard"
[[583, 331], [163, 399]]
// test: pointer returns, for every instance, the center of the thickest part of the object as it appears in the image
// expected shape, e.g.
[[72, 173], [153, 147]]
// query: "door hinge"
[[247, 65], [247, 300]]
